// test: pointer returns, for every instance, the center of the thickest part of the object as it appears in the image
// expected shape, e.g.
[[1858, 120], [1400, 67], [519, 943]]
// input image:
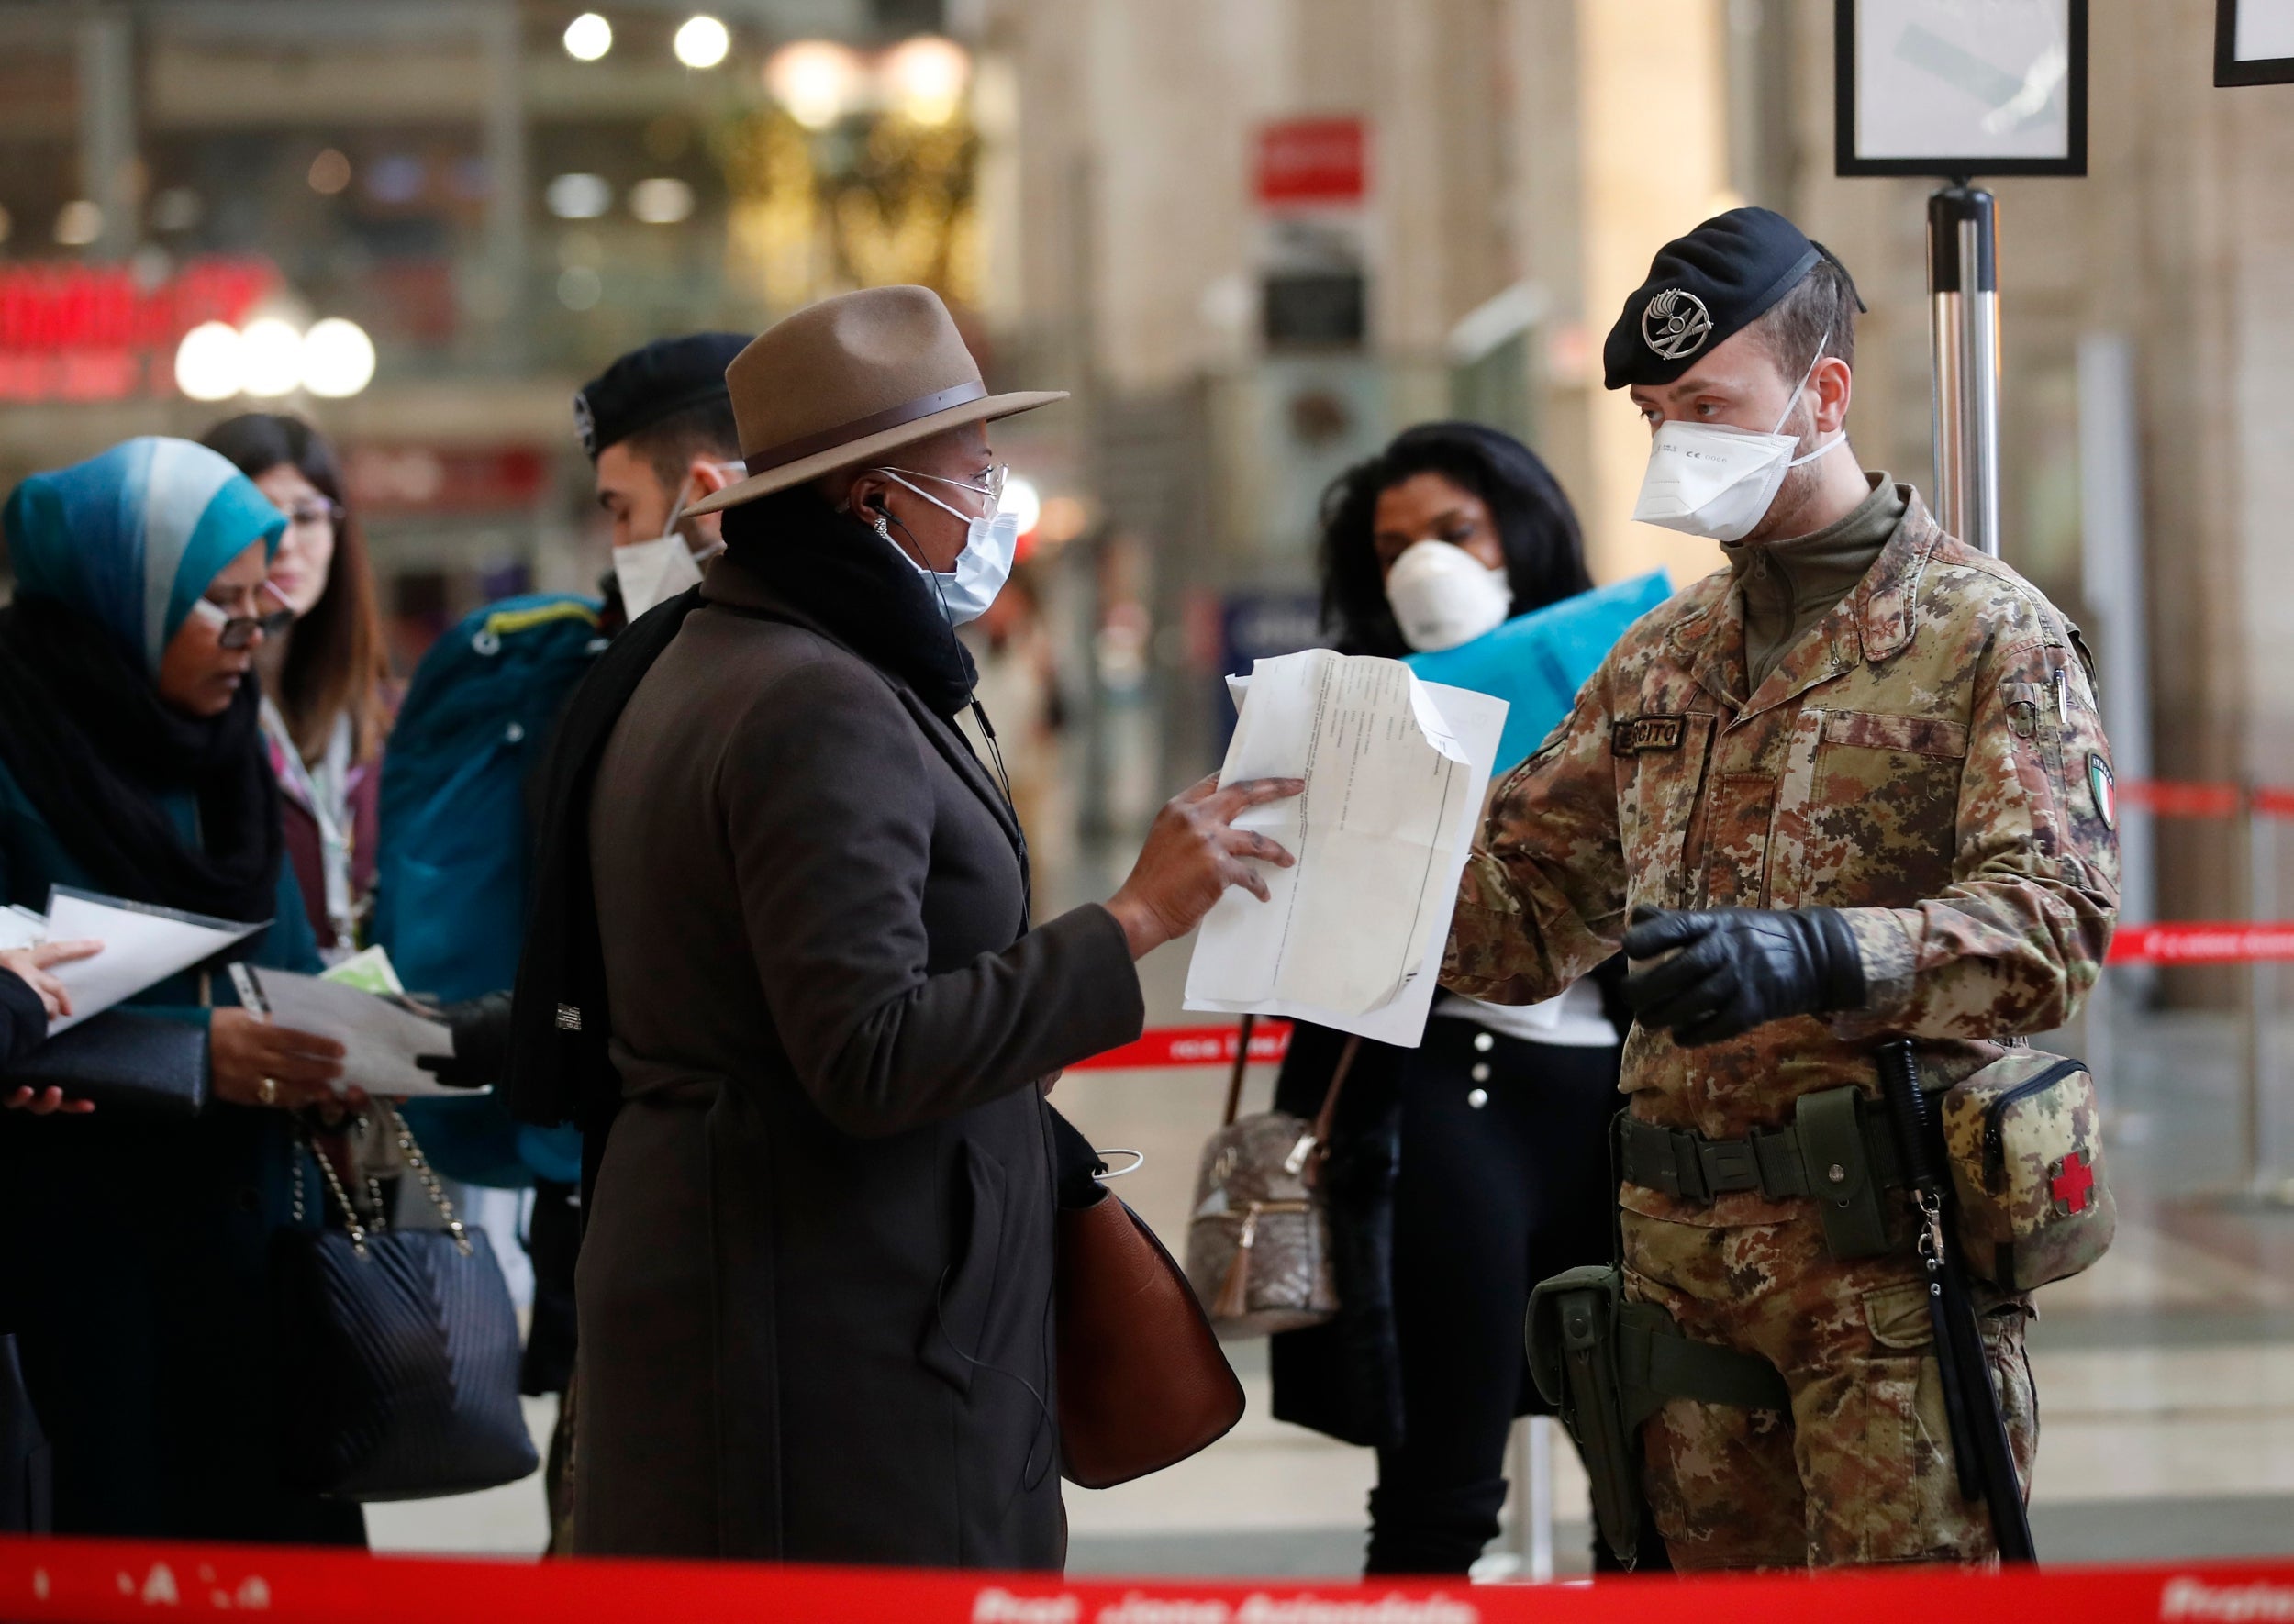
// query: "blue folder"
[[1537, 662]]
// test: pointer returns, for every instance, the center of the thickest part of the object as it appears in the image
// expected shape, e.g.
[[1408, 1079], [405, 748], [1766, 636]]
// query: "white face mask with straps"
[[654, 571], [1708, 479], [991, 540], [1443, 595]]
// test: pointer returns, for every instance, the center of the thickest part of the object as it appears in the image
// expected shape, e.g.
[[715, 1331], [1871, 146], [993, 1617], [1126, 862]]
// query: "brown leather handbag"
[[1142, 1383], [1258, 1247]]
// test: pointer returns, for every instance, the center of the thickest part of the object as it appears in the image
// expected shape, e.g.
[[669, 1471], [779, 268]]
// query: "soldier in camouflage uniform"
[[1851, 787]]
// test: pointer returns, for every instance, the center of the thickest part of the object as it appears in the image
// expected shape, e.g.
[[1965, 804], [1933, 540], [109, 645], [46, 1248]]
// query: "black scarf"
[[88, 737], [839, 573], [857, 585]]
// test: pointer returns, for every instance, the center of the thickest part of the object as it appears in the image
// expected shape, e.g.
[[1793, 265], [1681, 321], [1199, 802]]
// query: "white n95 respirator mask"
[[1443, 595], [653, 572], [1708, 479]]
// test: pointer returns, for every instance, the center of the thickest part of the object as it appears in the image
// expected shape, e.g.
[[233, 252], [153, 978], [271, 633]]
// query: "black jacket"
[[1344, 1378], [23, 1018]]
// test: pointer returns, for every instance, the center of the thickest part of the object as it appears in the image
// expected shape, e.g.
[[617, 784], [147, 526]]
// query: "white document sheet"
[[1395, 770], [381, 1038], [142, 945], [21, 927]]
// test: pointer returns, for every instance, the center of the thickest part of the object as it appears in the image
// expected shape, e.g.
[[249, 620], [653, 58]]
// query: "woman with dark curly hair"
[[1466, 1170]]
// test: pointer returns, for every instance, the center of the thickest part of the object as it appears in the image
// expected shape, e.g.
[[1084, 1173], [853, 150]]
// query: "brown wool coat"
[[816, 1286]]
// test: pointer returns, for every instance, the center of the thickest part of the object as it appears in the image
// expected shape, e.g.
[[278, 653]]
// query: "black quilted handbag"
[[401, 1353]]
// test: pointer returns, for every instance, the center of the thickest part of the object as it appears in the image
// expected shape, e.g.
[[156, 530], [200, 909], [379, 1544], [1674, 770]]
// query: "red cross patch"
[[2073, 1185]]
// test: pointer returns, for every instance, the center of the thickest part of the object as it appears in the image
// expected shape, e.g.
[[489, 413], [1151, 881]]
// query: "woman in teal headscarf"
[[138, 1253]]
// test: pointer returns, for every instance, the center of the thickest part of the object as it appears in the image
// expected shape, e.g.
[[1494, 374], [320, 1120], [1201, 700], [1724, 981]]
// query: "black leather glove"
[[1732, 969], [482, 1043]]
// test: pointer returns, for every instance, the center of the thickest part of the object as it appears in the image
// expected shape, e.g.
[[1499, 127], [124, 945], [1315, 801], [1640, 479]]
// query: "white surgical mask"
[[990, 543], [1708, 479], [653, 572], [1443, 595]]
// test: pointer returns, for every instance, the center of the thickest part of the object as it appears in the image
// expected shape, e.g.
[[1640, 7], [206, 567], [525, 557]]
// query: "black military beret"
[[649, 384], [1704, 287]]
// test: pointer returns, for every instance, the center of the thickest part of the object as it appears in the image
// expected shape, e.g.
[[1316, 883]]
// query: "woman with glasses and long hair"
[[137, 1253], [325, 671]]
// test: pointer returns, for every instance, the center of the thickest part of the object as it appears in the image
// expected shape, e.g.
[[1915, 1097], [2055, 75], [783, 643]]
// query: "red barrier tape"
[[1193, 1046], [2162, 799], [2231, 943], [2182, 800], [103, 1581]]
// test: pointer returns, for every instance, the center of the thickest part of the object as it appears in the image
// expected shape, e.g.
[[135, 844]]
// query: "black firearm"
[[1979, 1440]]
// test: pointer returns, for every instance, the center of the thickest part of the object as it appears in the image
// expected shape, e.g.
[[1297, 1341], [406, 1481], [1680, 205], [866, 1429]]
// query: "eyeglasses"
[[989, 485], [236, 631], [309, 516]]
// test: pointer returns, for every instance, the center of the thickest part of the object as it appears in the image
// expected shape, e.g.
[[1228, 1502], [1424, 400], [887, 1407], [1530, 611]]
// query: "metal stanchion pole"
[[1524, 1551], [2264, 1178], [2254, 1044], [1540, 1432], [1963, 297]]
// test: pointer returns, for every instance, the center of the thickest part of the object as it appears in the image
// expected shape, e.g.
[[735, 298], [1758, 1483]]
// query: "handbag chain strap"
[[421, 1165], [355, 1229], [415, 1158]]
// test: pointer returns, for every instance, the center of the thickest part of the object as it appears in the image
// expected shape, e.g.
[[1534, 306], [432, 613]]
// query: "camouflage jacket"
[[1928, 758]]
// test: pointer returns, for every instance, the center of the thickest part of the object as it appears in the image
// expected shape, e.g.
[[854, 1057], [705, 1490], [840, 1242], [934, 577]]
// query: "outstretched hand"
[[1192, 853]]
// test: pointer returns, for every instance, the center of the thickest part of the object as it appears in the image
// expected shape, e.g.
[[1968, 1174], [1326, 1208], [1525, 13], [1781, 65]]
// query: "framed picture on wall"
[[1959, 89], [2254, 41]]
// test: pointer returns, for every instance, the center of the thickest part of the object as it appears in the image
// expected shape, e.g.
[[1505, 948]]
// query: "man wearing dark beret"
[[658, 425], [1850, 787]]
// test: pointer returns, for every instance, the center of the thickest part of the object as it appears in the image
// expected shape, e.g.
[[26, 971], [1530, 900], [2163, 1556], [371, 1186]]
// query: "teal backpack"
[[454, 861]]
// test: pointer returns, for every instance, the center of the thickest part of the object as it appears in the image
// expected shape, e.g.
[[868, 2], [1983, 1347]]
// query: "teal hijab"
[[132, 537], [110, 555]]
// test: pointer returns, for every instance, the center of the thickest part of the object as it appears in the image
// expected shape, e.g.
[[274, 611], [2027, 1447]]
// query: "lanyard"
[[328, 812]]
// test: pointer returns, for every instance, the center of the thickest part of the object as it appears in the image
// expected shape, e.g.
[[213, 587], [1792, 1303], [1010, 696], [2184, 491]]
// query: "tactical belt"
[[1772, 1160]]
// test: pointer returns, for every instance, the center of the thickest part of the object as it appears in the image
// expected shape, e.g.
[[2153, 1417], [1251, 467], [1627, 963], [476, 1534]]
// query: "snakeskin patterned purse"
[[1258, 1247]]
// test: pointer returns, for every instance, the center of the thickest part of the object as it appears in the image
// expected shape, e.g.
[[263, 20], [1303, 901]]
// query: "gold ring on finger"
[[267, 1091]]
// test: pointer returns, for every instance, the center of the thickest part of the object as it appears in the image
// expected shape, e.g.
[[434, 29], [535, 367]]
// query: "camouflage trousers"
[[1861, 1471]]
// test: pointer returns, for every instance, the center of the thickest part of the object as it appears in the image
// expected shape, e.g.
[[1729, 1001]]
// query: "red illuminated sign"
[[100, 332], [1313, 162]]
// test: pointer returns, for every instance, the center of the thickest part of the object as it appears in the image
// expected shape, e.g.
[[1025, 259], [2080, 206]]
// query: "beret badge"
[[1676, 323]]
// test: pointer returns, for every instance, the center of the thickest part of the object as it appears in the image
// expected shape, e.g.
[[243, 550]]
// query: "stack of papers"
[[21, 927], [1395, 769], [143, 945], [382, 1038]]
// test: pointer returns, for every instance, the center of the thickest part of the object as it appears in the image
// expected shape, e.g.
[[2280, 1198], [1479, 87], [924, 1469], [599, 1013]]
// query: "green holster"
[[1606, 1365]]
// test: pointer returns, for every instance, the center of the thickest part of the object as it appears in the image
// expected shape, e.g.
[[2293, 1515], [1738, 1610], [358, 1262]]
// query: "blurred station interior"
[[1255, 238]]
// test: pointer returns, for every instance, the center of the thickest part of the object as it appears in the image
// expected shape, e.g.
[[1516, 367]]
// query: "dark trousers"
[[1491, 1199]]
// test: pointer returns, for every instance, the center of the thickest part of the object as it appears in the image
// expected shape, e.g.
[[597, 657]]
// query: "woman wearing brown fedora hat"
[[816, 1284]]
